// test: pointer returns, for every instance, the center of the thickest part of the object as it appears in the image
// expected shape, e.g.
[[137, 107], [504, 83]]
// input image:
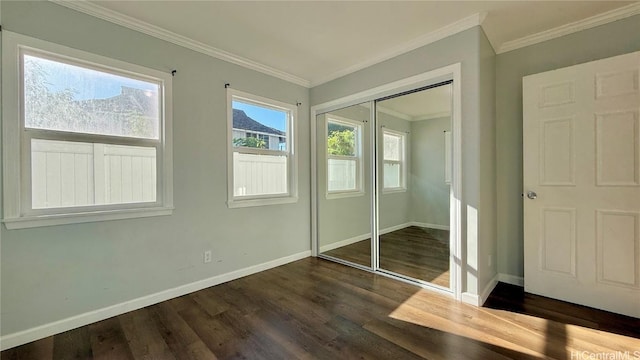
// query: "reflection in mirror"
[[414, 163], [344, 184]]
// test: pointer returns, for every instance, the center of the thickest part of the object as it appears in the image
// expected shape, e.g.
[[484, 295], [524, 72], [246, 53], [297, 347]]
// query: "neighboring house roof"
[[242, 121], [130, 100]]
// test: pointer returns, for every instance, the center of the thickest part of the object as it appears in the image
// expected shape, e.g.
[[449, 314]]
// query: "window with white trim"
[[86, 138], [261, 162], [344, 156], [394, 160]]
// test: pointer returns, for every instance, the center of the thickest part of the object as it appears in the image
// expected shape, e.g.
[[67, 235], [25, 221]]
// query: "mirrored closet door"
[[344, 178], [383, 172], [414, 178]]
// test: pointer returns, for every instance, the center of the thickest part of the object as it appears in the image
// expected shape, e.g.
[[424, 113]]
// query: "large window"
[[394, 160], [344, 156], [261, 158], [86, 138]]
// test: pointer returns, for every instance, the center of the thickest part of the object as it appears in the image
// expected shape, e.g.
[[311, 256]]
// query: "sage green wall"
[[52, 273], [604, 41], [429, 192], [466, 48]]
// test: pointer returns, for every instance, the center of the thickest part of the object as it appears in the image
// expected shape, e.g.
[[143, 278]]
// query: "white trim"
[[394, 228], [423, 40], [393, 113], [430, 226], [511, 279], [430, 116], [346, 242], [359, 129], [471, 299], [42, 331], [77, 218], [166, 35], [16, 145], [386, 230], [478, 300], [402, 136], [432, 77], [580, 25], [450, 72], [484, 295], [291, 196]]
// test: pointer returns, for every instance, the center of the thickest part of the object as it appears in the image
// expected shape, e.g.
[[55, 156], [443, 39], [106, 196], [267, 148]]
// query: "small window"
[[261, 159], [94, 134], [344, 159], [393, 160]]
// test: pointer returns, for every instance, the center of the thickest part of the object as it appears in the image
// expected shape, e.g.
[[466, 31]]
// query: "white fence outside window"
[[255, 174], [66, 174]]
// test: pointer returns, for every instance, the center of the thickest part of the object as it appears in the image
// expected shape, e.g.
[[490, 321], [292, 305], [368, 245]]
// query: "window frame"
[[291, 196], [402, 162], [17, 185], [359, 190]]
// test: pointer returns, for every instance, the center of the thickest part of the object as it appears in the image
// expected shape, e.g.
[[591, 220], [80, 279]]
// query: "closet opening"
[[385, 181]]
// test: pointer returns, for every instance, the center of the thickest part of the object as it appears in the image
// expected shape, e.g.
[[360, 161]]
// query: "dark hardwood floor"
[[416, 252], [316, 309]]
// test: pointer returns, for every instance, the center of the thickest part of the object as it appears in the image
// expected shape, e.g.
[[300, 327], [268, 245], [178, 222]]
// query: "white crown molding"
[[584, 24], [162, 34], [393, 113], [439, 34], [430, 116]]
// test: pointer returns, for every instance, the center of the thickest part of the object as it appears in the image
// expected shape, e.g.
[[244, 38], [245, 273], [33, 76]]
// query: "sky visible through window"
[[272, 118]]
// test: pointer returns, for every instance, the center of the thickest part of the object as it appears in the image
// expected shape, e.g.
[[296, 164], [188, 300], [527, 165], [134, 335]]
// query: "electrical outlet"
[[490, 260], [207, 256]]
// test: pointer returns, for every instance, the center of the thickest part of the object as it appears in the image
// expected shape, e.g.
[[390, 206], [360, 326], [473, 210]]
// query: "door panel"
[[344, 184], [581, 153]]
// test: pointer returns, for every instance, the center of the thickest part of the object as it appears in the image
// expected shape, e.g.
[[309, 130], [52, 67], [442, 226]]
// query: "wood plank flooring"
[[416, 252], [316, 309]]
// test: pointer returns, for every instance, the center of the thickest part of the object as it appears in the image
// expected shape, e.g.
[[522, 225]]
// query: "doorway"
[[385, 180]]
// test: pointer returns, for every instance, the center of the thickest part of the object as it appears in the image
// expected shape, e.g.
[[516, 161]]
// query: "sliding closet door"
[[344, 178], [413, 152]]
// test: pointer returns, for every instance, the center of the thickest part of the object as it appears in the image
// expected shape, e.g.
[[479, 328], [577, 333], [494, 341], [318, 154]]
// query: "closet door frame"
[[447, 73]]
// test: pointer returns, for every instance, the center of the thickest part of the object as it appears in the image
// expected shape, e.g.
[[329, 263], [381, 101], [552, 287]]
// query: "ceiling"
[[311, 42], [421, 105]]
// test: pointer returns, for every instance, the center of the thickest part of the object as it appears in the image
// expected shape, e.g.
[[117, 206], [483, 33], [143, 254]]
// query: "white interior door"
[[582, 160]]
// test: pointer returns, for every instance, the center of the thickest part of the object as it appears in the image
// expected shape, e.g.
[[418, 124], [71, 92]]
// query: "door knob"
[[532, 195]]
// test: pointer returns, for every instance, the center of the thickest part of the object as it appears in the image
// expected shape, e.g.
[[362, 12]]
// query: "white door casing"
[[581, 156]]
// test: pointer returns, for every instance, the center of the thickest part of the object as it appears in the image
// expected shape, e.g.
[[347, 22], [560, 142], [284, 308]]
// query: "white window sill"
[[76, 218], [345, 194], [394, 190], [240, 203]]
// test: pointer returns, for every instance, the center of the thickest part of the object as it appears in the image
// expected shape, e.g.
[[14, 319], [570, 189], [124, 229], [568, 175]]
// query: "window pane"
[[67, 174], [391, 175], [392, 147], [65, 97], [341, 139], [259, 174], [259, 127], [341, 174]]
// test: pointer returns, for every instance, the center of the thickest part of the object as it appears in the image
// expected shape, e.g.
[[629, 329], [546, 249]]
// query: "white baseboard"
[[430, 226], [478, 300], [344, 242], [470, 298], [26, 336], [488, 289], [394, 228], [355, 239], [511, 279]]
